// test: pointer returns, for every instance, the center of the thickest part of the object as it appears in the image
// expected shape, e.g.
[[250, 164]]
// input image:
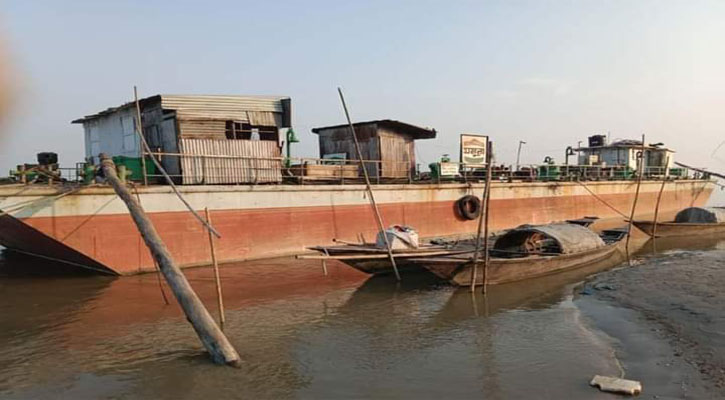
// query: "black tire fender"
[[469, 206]]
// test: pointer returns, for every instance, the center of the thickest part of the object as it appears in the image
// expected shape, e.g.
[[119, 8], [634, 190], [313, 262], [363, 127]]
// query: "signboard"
[[449, 169], [474, 150]]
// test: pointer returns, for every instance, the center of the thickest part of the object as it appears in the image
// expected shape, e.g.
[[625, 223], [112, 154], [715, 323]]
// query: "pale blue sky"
[[548, 72]]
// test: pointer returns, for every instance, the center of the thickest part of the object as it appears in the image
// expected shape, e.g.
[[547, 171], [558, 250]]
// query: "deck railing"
[[225, 169], [215, 169]]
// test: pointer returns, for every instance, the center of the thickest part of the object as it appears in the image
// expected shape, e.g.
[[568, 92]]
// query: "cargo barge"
[[226, 154]]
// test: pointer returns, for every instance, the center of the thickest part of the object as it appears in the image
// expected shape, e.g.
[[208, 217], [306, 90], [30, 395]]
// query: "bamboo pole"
[[640, 172], [485, 223], [174, 188], [211, 336], [139, 130], [481, 217], [217, 279], [378, 217], [659, 197], [156, 265]]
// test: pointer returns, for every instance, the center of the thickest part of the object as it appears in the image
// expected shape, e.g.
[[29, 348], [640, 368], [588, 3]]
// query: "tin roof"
[[203, 106], [416, 132]]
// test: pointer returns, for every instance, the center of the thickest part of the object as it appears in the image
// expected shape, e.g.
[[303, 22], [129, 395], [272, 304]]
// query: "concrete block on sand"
[[616, 385]]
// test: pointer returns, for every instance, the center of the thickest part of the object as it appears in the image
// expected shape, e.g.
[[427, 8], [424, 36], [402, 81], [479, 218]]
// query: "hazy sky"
[[548, 72]]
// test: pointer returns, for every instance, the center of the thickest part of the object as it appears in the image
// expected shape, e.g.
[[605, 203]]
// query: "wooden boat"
[[690, 221], [529, 251], [371, 259]]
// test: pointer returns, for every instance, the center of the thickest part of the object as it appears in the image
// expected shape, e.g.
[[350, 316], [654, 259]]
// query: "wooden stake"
[[174, 188], [217, 279], [481, 217], [659, 197], [211, 336], [324, 263], [485, 224], [139, 130], [640, 172], [156, 265], [378, 217]]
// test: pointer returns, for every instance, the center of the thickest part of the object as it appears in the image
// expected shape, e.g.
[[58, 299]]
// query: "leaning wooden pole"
[[640, 172], [139, 131], [211, 336], [369, 188], [217, 279], [659, 198], [486, 209], [483, 215]]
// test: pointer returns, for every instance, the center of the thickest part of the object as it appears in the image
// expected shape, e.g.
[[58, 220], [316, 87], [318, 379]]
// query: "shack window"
[[243, 131]]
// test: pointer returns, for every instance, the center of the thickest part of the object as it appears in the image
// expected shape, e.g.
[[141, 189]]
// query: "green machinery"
[[290, 138], [435, 167], [134, 166], [548, 171]]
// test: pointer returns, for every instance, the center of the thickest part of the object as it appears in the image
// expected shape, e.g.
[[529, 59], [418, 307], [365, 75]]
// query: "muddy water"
[[301, 335]]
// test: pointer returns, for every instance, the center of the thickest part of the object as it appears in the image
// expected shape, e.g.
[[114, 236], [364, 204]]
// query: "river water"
[[300, 335]]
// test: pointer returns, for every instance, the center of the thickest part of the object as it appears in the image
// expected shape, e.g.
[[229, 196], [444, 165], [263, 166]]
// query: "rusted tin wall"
[[339, 140], [397, 151], [259, 161]]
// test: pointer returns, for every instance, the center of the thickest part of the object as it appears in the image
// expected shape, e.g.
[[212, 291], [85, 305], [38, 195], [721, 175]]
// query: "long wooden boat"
[[530, 251], [368, 258], [688, 222]]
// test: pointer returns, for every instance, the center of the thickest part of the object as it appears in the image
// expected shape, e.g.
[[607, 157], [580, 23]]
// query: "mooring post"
[[659, 197], [640, 172], [369, 188], [486, 208], [483, 216], [211, 336], [217, 278]]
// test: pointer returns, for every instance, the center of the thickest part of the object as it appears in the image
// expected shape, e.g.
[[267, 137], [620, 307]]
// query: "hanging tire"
[[469, 207]]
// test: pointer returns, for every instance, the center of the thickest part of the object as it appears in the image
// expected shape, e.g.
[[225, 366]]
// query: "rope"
[[103, 271], [23, 204], [600, 199]]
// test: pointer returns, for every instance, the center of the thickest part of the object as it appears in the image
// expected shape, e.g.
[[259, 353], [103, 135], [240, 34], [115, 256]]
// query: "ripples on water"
[[301, 335]]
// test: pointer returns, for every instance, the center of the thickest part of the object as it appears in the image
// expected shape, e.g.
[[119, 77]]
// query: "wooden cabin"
[[390, 142], [203, 139]]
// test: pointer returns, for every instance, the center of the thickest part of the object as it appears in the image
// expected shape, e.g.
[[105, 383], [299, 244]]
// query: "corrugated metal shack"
[[390, 142], [207, 139]]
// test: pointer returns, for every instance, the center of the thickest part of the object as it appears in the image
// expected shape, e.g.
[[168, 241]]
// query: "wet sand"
[[666, 316]]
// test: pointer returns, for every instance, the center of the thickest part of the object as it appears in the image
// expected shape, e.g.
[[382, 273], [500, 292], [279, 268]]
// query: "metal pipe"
[[378, 217], [139, 130], [518, 154]]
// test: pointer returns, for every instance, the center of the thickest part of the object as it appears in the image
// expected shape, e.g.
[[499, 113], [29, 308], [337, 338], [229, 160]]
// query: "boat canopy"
[[713, 215], [559, 238]]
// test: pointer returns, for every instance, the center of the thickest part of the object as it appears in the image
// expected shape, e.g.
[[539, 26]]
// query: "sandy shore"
[[666, 316]]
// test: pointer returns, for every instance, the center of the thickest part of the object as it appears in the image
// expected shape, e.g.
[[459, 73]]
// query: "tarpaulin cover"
[[714, 215], [399, 237], [571, 238]]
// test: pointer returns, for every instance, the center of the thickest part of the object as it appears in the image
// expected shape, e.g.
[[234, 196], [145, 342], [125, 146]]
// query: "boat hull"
[[265, 221], [507, 270], [672, 229]]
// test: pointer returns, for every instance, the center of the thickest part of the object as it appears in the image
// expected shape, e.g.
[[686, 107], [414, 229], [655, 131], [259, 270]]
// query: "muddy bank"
[[667, 317]]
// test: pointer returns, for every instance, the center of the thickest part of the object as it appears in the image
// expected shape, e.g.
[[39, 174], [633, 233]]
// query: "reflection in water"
[[300, 334]]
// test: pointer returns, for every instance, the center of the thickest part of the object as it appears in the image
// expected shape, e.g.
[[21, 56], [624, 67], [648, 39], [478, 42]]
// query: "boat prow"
[[688, 222]]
